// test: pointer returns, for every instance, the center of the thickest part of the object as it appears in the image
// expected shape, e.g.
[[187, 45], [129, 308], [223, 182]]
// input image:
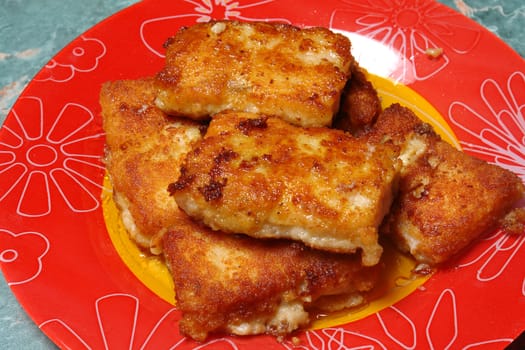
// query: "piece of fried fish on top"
[[144, 149], [266, 178], [271, 68], [446, 198], [236, 284]]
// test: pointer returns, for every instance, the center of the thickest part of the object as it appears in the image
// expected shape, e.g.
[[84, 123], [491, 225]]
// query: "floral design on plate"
[[122, 334], [495, 131], [496, 257], [51, 175], [198, 11], [82, 56], [44, 158], [442, 330], [23, 254], [410, 28]]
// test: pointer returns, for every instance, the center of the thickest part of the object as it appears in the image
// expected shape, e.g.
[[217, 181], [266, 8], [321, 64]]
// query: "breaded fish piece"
[[239, 285], [270, 68], [217, 277], [144, 149], [360, 103], [266, 178], [446, 198]]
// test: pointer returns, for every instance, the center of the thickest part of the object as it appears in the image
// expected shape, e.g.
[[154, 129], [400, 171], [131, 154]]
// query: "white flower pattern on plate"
[[22, 254], [41, 161], [228, 9], [82, 57], [497, 132], [441, 331], [409, 27], [118, 316], [203, 11], [496, 257], [36, 173]]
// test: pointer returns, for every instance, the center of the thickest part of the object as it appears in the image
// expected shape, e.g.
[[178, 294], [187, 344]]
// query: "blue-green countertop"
[[33, 31]]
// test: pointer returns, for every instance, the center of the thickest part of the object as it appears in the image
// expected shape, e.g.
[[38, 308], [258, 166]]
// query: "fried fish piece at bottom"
[[240, 285], [446, 198], [144, 149]]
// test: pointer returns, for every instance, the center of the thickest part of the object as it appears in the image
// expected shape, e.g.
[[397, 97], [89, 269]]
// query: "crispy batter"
[[270, 68], [446, 198], [266, 178], [257, 174], [143, 153], [514, 222], [240, 285], [360, 104], [223, 283]]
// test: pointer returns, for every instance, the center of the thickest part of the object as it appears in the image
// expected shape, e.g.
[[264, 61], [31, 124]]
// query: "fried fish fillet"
[[266, 178], [275, 69], [144, 149], [217, 277], [360, 104], [446, 198], [239, 285]]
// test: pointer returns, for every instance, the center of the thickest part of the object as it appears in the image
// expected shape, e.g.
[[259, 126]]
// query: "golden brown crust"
[[266, 178], [269, 68], [259, 175], [397, 123], [223, 281], [514, 222], [144, 149], [360, 104], [446, 198]]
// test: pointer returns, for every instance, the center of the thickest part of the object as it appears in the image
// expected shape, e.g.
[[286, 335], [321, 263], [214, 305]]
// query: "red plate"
[[55, 251]]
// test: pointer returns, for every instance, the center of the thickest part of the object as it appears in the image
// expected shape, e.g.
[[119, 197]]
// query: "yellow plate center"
[[398, 279]]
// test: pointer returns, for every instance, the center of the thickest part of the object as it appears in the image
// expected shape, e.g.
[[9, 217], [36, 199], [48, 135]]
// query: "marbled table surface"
[[33, 31]]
